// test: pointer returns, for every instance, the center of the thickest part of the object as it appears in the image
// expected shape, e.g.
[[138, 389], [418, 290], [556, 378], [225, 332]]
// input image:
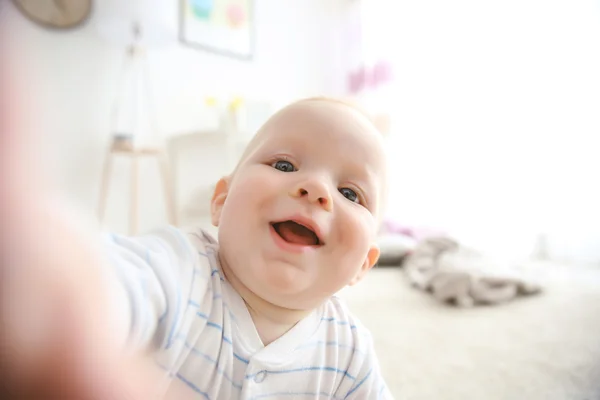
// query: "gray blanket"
[[456, 274]]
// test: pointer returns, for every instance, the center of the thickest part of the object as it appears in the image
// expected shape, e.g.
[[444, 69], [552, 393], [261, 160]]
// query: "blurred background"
[[490, 108], [490, 111]]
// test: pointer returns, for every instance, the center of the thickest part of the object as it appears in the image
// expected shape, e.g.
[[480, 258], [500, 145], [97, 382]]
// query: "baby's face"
[[297, 220]]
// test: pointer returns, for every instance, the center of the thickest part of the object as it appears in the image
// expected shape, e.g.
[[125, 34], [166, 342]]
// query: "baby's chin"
[[285, 290]]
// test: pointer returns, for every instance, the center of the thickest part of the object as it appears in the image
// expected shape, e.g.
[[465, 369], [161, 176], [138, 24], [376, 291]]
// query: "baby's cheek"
[[242, 190], [262, 189], [255, 178], [355, 234]]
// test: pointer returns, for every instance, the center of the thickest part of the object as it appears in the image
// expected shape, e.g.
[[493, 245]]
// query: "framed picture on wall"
[[223, 27]]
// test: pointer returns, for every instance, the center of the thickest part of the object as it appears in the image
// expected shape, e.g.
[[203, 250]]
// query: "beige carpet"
[[545, 347]]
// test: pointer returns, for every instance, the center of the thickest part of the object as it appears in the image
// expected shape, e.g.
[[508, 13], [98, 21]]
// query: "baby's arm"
[[153, 282], [57, 336], [70, 307]]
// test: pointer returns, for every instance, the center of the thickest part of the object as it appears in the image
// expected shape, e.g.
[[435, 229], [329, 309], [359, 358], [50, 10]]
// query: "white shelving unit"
[[198, 160]]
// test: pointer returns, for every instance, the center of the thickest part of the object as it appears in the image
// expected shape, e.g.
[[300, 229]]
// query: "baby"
[[254, 314]]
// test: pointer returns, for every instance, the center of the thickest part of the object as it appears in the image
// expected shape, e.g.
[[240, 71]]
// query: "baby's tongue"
[[295, 233]]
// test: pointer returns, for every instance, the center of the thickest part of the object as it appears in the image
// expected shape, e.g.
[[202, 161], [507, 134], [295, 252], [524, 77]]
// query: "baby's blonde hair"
[[331, 100]]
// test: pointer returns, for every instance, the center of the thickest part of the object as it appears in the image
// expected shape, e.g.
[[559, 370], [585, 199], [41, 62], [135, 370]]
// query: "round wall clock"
[[56, 14]]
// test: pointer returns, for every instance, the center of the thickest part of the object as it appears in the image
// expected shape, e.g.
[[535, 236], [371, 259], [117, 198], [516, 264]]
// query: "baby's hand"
[[55, 338]]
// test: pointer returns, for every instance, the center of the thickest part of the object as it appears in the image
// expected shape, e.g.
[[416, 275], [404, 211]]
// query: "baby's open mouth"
[[295, 233]]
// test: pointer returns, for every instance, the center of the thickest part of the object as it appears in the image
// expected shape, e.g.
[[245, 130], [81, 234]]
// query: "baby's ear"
[[218, 199], [370, 261]]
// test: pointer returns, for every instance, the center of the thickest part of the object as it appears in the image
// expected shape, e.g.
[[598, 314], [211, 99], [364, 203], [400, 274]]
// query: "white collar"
[[247, 337]]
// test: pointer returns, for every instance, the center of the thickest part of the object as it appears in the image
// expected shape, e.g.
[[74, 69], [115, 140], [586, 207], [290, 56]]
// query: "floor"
[[545, 347]]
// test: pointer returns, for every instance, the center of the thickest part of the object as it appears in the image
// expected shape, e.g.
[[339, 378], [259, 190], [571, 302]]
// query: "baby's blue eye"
[[349, 194], [284, 166]]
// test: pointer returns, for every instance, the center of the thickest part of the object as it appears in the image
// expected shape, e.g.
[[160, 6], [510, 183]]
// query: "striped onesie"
[[206, 342]]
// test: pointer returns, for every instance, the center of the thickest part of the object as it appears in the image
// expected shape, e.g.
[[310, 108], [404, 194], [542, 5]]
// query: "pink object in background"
[[369, 78], [417, 233], [235, 15]]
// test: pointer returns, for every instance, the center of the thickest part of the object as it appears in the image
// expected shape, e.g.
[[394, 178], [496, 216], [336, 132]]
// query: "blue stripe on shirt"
[[193, 303], [295, 394], [192, 386], [223, 337], [215, 325], [228, 341], [359, 383], [332, 319], [245, 361], [184, 380], [215, 297], [305, 369], [214, 362], [331, 344]]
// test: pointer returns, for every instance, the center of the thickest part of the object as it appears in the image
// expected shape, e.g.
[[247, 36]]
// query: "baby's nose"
[[314, 191]]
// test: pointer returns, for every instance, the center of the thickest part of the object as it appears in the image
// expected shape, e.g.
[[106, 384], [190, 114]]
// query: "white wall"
[[72, 77], [496, 121]]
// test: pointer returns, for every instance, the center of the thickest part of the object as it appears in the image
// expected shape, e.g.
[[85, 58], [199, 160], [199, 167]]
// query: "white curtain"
[[495, 111]]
